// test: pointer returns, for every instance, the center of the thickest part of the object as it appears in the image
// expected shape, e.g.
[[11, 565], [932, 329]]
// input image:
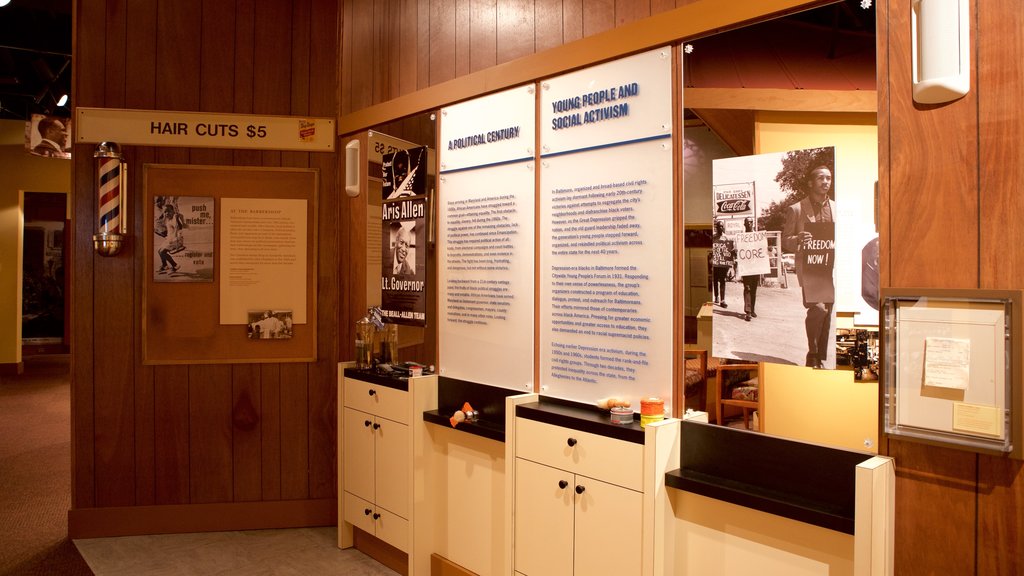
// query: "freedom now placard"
[[203, 130]]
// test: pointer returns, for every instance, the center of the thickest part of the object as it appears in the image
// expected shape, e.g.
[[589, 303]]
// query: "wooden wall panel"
[[461, 41], [548, 24], [89, 52], [140, 92], [246, 434], [409, 54], [1000, 48], [952, 218], [598, 16], [322, 395], [515, 30], [171, 434], [294, 432], [441, 51], [945, 135], [572, 18], [209, 423], [935, 502], [177, 58], [483, 34], [187, 435], [270, 431], [627, 11]]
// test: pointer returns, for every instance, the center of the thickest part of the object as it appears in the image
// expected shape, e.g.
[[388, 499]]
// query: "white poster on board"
[[606, 238], [486, 210], [263, 257]]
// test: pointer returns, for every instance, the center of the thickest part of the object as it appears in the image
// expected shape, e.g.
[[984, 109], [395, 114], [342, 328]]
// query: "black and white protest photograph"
[[183, 248], [773, 258], [269, 324]]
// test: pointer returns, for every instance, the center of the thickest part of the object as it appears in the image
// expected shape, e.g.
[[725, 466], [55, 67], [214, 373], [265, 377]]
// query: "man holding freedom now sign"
[[751, 261], [810, 232]]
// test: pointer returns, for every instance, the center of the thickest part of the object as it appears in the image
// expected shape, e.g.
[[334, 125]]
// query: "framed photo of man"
[[48, 136]]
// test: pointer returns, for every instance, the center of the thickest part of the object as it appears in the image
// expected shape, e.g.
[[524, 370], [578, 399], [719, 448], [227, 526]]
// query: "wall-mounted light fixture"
[[112, 207], [940, 50], [352, 168]]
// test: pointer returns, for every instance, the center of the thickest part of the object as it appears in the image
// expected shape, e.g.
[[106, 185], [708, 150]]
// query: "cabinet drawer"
[[615, 461], [388, 527], [355, 512], [393, 529], [389, 403]]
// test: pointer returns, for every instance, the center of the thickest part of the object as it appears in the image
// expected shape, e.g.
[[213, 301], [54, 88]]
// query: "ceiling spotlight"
[[4, 3], [63, 97]]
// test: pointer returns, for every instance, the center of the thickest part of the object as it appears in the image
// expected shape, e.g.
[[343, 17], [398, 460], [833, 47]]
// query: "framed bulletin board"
[[952, 367], [229, 264]]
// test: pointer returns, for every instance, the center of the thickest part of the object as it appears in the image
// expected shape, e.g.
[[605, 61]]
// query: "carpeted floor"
[[35, 471]]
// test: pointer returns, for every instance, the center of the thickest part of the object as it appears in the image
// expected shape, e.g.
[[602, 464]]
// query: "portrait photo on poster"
[[183, 249], [48, 136], [403, 270], [269, 324], [774, 257]]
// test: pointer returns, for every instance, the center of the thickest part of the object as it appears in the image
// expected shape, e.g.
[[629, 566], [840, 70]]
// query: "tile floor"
[[305, 551]]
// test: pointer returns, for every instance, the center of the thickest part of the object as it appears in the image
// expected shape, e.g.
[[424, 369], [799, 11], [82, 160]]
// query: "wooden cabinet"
[[382, 444], [584, 526], [377, 460], [578, 494]]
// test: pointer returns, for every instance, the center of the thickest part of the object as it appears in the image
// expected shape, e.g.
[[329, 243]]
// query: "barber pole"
[[110, 195], [112, 204]]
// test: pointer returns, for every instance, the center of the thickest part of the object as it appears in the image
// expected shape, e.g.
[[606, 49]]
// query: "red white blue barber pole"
[[112, 207]]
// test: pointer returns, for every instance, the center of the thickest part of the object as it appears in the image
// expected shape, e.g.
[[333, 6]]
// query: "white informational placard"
[[496, 129], [486, 211], [606, 238], [610, 104], [262, 265]]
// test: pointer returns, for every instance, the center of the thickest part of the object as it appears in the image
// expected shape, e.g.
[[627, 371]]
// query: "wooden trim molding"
[[441, 566], [12, 369], [687, 22], [183, 518], [782, 99]]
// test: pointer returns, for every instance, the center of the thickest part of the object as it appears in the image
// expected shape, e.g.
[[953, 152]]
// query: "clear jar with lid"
[[364, 342]]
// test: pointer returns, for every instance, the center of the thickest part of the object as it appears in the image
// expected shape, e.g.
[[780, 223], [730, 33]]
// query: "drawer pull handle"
[[562, 483], [366, 422], [580, 489], [376, 516], [571, 442], [366, 512], [372, 392], [376, 426]]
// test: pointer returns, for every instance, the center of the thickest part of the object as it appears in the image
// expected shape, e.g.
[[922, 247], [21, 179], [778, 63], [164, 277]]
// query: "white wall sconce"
[[352, 168], [940, 50]]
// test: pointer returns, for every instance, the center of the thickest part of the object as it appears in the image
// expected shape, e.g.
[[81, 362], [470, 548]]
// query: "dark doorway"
[[43, 309]]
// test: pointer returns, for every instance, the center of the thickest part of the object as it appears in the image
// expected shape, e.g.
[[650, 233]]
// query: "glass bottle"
[[364, 343], [389, 343]]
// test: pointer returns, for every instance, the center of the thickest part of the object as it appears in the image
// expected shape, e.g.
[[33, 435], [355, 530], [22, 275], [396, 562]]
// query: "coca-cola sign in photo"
[[734, 199], [733, 206]]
